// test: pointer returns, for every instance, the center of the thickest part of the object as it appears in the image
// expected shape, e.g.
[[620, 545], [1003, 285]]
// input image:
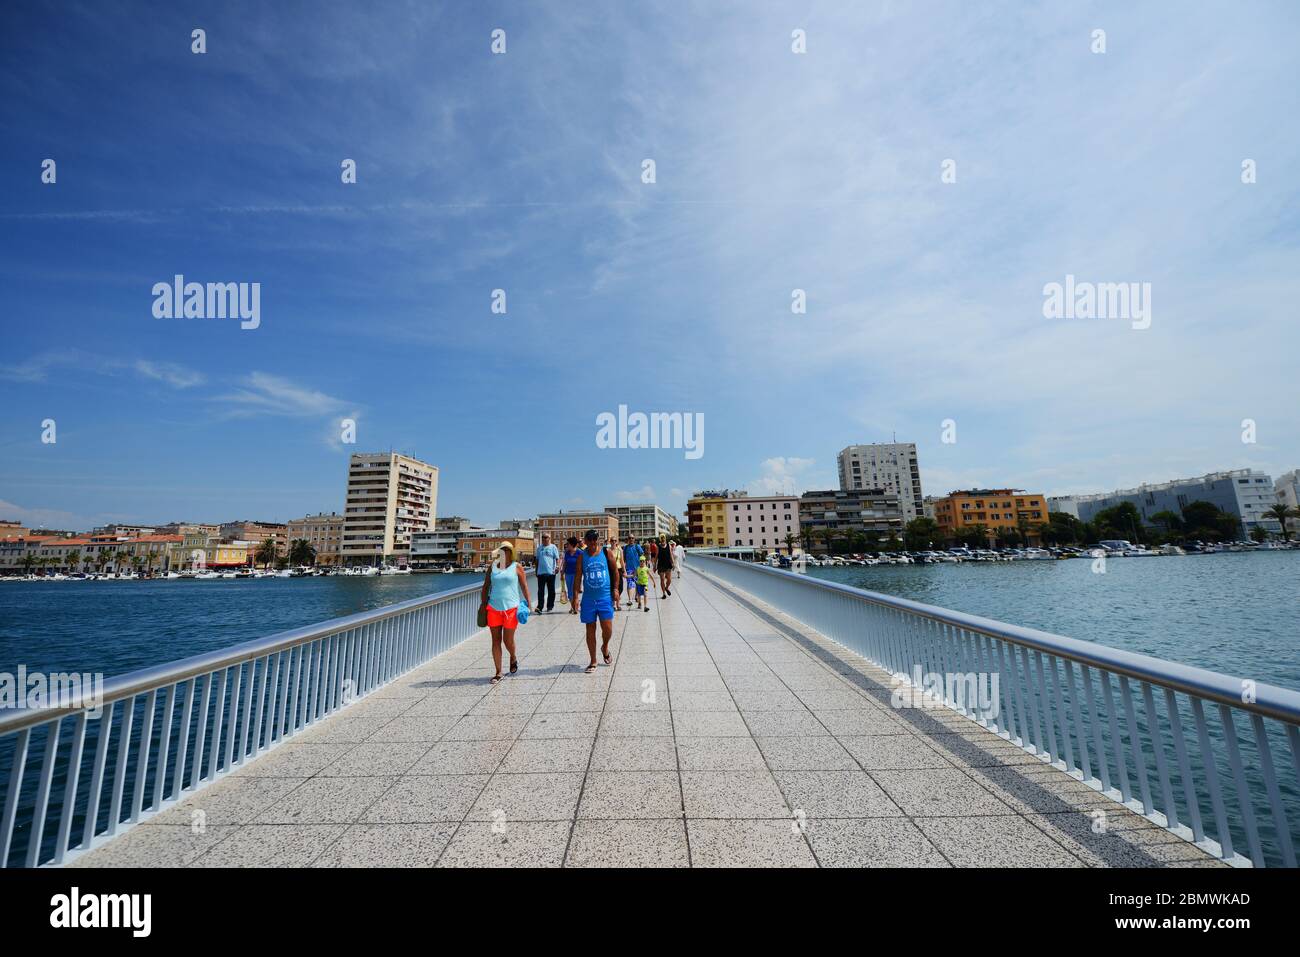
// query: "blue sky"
[[775, 171]]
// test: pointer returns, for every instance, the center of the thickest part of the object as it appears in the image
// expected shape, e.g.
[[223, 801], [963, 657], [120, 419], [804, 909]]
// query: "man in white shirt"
[[548, 560]]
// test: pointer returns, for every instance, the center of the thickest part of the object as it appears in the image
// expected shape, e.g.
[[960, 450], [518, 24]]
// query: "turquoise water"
[[1238, 613], [113, 627]]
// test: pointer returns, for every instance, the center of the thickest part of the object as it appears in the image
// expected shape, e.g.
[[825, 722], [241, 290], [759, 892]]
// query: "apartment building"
[[643, 521], [836, 514], [563, 525], [1244, 493], [1286, 490], [891, 466], [323, 532], [389, 498], [763, 522], [257, 532], [706, 516], [994, 508], [11, 528], [476, 547], [439, 547]]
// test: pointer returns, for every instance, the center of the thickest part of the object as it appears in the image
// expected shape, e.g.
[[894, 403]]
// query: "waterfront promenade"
[[764, 745]]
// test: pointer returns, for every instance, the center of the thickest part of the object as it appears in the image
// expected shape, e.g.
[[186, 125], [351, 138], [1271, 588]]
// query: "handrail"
[[1221, 790], [159, 676], [178, 727], [1269, 701]]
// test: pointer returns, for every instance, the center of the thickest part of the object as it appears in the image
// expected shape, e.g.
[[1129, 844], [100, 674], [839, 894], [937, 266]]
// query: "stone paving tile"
[[426, 799], [631, 795], [783, 724], [1127, 840], [536, 755], [994, 842], [562, 703], [893, 752], [415, 728], [517, 844], [770, 843], [861, 721], [232, 800], [166, 845], [732, 794], [549, 796], [387, 845], [272, 845], [324, 800], [826, 794], [628, 844], [872, 842], [719, 754], [936, 792], [572, 724], [370, 758], [639, 724], [820, 753], [628, 753], [487, 727], [462, 757]]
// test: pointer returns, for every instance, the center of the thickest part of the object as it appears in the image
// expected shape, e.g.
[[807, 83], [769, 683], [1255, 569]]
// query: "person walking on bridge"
[[664, 566], [597, 582], [503, 585], [548, 560], [571, 549]]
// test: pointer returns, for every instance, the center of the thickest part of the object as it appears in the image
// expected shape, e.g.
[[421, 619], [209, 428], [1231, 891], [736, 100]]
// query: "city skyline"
[[775, 172]]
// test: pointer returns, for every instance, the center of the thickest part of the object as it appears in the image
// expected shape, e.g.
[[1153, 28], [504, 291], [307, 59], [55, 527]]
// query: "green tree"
[[922, 533], [1282, 513], [789, 541], [1259, 533], [301, 552], [73, 559], [972, 536], [1204, 520], [1062, 528], [1118, 521], [266, 553]]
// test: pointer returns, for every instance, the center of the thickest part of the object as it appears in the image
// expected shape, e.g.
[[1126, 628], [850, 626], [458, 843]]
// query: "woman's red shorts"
[[503, 619]]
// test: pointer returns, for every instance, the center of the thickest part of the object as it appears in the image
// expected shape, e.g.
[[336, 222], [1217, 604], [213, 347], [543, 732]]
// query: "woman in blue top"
[[597, 581], [503, 586], [570, 571]]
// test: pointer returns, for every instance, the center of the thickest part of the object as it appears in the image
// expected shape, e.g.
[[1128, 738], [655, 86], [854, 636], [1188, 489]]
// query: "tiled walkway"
[[724, 734]]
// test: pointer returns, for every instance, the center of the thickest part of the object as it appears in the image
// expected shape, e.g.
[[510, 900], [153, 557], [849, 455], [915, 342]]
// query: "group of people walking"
[[596, 578]]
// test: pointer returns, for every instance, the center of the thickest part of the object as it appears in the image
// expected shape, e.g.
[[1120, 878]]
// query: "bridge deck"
[[765, 745]]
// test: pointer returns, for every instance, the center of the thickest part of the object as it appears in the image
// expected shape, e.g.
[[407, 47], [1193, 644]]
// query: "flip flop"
[[589, 669], [514, 666], [494, 679], [605, 652]]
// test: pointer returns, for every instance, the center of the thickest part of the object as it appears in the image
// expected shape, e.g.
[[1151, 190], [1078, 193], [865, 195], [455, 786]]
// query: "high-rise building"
[[1287, 489], [323, 532], [834, 514], [390, 497], [763, 521], [890, 466], [1243, 493], [643, 521]]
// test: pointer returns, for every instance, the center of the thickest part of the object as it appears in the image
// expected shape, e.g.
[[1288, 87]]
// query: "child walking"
[[642, 581]]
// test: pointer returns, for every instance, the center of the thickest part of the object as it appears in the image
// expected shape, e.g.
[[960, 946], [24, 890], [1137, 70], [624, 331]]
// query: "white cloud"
[[261, 393], [641, 495], [781, 475]]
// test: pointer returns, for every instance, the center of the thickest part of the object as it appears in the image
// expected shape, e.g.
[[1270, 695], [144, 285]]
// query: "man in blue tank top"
[[596, 583]]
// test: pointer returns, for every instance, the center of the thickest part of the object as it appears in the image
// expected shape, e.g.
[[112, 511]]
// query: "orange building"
[[994, 508]]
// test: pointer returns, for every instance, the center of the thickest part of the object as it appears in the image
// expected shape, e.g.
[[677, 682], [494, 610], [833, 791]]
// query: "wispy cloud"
[[261, 393]]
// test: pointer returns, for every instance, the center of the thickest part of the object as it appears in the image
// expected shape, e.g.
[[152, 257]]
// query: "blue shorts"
[[603, 609], [640, 590]]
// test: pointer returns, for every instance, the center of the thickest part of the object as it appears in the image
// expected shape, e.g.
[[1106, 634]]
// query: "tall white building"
[[390, 497], [890, 466], [763, 521], [1287, 489], [1243, 493], [643, 521]]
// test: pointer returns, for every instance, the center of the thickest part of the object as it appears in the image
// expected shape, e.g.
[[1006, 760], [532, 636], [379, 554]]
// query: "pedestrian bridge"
[[732, 729]]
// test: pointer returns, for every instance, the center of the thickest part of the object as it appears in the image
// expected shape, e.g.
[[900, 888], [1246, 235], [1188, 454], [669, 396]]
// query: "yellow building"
[[706, 514], [476, 547], [994, 508]]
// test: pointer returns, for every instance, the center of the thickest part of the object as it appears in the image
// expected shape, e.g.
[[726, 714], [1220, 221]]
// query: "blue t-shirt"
[[571, 563], [632, 557], [547, 556]]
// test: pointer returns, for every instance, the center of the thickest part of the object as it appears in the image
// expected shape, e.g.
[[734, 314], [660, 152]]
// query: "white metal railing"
[[1101, 714], [153, 746]]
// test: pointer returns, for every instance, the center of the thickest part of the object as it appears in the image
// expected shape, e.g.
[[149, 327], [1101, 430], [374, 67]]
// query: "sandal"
[[605, 652], [514, 665], [590, 668], [494, 679]]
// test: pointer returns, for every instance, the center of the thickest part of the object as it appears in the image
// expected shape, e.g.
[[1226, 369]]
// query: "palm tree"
[[266, 552], [1282, 513], [789, 541], [29, 561], [301, 552], [73, 559], [103, 559], [136, 562]]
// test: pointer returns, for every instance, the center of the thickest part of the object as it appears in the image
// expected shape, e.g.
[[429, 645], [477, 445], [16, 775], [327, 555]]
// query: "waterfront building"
[[994, 508], [891, 466], [247, 531], [516, 523], [186, 528], [124, 531], [11, 528], [763, 521], [834, 514], [927, 507], [439, 547], [476, 546], [1069, 504], [323, 532], [643, 521], [562, 525], [706, 517], [1287, 489], [390, 497], [1246, 494]]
